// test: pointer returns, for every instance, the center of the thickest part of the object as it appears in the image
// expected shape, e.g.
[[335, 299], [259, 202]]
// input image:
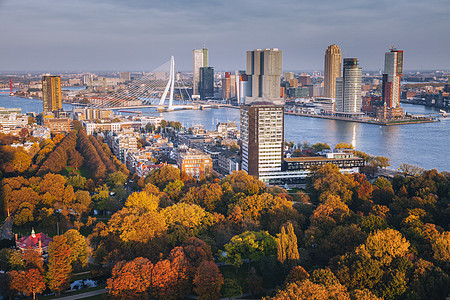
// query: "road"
[[84, 295]]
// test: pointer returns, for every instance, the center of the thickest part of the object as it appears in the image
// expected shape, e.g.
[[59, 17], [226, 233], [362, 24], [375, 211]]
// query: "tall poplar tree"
[[59, 264]]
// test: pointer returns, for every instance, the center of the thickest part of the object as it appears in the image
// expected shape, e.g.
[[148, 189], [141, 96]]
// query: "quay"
[[386, 123]]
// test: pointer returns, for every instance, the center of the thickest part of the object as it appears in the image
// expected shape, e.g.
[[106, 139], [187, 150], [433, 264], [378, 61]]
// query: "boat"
[[443, 112]]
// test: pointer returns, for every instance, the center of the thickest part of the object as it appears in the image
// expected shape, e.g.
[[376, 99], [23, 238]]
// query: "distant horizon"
[[38, 72]]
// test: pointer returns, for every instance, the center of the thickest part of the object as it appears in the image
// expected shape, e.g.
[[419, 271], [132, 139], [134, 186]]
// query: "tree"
[[165, 280], [134, 224], [208, 281], [344, 146], [30, 282], [131, 279], [385, 245], [230, 289], [309, 290], [147, 201], [165, 175], [185, 220], [79, 249], [297, 273], [59, 264], [117, 179], [250, 245], [287, 244], [410, 170]]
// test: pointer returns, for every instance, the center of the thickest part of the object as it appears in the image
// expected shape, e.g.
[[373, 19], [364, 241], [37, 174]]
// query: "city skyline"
[[139, 35]]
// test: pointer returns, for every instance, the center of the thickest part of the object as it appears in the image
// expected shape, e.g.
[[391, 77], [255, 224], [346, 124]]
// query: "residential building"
[[333, 60], [51, 91], [264, 69], [58, 125], [262, 137], [393, 70], [200, 60], [194, 162], [348, 89]]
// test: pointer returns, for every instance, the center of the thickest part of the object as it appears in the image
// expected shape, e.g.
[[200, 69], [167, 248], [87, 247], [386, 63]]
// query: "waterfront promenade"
[[366, 121]]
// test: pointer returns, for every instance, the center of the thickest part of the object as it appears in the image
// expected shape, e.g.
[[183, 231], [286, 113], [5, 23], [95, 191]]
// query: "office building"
[[200, 60], [393, 70], [226, 86], [206, 87], [126, 76], [332, 70], [194, 162], [262, 136], [348, 89], [264, 69], [288, 76], [51, 92], [304, 80]]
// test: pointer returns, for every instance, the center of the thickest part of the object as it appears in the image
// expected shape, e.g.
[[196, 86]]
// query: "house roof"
[[32, 241]]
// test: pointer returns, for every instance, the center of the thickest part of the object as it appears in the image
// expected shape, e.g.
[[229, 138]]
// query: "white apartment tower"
[[200, 60], [348, 89]]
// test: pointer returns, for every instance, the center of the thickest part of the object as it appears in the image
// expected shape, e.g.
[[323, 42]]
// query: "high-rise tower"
[[262, 116], [264, 68], [51, 91], [348, 88], [393, 70], [333, 60], [200, 61]]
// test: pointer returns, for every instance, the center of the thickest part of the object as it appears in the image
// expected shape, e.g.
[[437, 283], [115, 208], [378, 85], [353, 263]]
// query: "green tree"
[[250, 245], [230, 289]]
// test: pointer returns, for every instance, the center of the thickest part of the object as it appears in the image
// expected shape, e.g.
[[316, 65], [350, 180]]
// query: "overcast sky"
[[89, 35]]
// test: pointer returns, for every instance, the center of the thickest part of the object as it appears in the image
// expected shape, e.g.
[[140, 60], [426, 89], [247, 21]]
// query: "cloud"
[[139, 34]]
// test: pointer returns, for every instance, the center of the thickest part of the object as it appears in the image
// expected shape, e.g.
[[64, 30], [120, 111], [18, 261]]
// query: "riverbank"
[[373, 122]]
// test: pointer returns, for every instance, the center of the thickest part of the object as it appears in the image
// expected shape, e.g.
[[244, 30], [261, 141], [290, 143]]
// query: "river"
[[425, 145]]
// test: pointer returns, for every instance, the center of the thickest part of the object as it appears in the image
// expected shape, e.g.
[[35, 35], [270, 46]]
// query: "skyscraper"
[[262, 136], [262, 116], [332, 70], [200, 60], [393, 70], [348, 89], [264, 68], [51, 91], [206, 83]]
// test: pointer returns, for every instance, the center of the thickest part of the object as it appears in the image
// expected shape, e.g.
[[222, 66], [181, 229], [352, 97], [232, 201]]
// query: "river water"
[[425, 145]]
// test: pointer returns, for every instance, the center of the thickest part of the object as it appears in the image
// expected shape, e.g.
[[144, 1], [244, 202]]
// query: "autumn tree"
[[131, 279], [30, 282], [287, 245], [185, 220], [59, 264], [208, 281], [134, 224], [145, 200], [309, 290], [79, 249]]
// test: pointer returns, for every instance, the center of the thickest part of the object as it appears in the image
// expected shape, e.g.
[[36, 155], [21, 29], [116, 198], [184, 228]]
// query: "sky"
[[140, 35]]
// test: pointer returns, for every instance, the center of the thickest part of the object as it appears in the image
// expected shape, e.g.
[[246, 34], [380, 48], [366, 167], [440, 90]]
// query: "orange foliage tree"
[[208, 281]]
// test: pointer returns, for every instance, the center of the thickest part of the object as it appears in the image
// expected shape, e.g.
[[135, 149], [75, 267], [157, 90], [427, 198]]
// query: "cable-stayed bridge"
[[151, 90]]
